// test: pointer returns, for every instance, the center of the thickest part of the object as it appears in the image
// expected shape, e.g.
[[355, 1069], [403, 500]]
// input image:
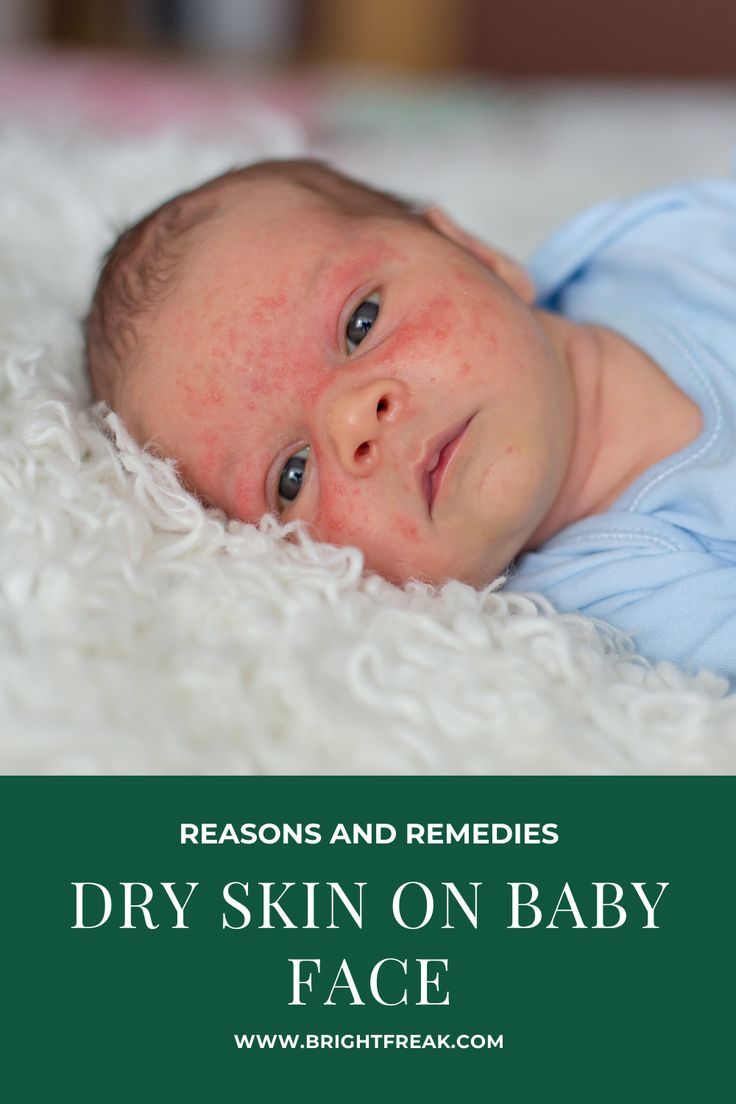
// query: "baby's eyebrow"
[[330, 277], [341, 271]]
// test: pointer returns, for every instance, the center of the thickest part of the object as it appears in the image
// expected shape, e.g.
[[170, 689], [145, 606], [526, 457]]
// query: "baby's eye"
[[361, 321], [292, 474]]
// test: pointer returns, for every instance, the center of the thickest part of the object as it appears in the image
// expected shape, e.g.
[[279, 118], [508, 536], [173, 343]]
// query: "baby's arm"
[[678, 604], [690, 621]]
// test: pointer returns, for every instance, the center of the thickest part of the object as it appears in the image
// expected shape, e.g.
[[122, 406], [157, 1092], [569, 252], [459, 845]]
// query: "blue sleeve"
[[643, 234], [678, 605], [690, 621]]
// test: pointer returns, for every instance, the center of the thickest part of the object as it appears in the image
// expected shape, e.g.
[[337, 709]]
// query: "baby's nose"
[[358, 418]]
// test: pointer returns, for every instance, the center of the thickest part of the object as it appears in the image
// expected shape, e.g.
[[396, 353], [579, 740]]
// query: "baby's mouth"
[[439, 455]]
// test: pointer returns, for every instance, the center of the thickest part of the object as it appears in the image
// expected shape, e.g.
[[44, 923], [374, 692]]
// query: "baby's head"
[[307, 346]]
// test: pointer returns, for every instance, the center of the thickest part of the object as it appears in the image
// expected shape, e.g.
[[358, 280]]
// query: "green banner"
[[330, 939]]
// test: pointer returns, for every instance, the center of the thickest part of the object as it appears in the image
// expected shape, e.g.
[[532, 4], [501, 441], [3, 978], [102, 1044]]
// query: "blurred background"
[[513, 115], [644, 38]]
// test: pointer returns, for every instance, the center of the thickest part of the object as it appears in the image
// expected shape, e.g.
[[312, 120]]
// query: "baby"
[[307, 346]]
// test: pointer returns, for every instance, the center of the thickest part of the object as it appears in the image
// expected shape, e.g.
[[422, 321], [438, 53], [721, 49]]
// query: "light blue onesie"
[[661, 562]]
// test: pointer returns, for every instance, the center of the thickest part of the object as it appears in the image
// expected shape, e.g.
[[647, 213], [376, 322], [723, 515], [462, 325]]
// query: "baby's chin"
[[475, 575]]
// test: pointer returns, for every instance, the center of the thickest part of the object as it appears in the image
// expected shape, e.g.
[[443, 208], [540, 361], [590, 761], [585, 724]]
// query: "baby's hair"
[[141, 266]]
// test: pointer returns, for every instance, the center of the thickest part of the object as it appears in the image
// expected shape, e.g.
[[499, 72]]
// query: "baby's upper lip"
[[432, 464]]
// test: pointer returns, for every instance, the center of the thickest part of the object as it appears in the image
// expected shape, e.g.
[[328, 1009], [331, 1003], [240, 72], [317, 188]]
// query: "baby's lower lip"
[[435, 477]]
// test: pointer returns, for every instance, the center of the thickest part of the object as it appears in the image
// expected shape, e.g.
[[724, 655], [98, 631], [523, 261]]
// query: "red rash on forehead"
[[213, 449], [231, 371], [266, 306], [198, 386], [254, 356], [252, 350]]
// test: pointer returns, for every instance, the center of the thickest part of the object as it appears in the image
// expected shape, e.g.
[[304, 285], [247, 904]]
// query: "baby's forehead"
[[266, 247], [264, 237], [264, 202]]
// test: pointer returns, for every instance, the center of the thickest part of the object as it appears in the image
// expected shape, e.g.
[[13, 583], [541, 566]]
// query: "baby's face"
[[364, 375]]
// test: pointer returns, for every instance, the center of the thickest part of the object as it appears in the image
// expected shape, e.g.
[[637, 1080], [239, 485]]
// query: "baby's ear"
[[506, 268]]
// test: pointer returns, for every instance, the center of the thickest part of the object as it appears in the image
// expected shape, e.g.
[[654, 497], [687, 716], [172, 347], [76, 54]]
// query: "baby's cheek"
[[349, 514], [341, 509], [420, 341], [389, 539], [404, 527]]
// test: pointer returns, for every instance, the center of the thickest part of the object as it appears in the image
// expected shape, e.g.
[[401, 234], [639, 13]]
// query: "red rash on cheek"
[[340, 508], [486, 331], [404, 527], [432, 327]]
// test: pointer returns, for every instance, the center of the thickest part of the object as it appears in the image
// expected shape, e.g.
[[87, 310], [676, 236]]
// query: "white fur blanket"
[[141, 634]]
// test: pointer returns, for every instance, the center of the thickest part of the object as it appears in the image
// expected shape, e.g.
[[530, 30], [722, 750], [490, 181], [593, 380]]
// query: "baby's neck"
[[629, 415]]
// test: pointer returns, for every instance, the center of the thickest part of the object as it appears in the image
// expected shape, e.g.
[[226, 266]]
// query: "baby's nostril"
[[382, 406], [363, 450]]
